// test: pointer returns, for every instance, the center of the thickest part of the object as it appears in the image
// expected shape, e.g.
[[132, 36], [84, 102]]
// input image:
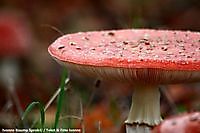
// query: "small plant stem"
[[69, 116], [81, 114], [99, 127], [77, 117], [169, 99], [68, 111], [55, 95], [16, 100], [60, 98], [95, 86], [53, 28], [67, 81]]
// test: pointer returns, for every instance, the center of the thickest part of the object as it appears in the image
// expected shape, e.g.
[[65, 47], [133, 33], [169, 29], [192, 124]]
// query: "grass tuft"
[[30, 108]]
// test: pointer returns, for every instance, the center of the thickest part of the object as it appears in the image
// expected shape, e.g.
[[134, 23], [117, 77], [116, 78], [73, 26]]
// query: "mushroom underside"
[[149, 76]]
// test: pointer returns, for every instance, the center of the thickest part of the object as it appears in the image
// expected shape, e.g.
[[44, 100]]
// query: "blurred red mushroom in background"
[[15, 35], [184, 123], [15, 40]]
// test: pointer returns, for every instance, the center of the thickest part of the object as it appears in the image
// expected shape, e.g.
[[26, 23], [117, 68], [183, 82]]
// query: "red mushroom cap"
[[131, 49], [145, 56], [14, 34], [185, 123]]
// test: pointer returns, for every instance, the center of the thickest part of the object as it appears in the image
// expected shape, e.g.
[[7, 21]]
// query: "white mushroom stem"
[[145, 108]]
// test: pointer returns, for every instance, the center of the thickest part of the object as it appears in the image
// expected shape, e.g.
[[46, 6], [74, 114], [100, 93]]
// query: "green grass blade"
[[30, 108], [60, 98]]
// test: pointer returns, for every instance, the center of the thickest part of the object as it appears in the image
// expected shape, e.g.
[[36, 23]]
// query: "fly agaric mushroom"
[[140, 57], [184, 123], [15, 41]]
